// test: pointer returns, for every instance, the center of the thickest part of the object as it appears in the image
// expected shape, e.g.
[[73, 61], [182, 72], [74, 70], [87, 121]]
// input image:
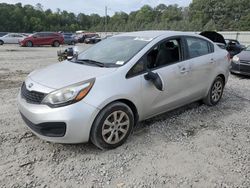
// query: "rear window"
[[198, 47]]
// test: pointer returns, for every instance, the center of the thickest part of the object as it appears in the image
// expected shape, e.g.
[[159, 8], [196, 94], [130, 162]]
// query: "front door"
[[167, 60]]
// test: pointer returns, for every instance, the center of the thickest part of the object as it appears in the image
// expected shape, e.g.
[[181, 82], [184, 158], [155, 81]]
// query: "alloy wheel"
[[217, 91], [115, 127]]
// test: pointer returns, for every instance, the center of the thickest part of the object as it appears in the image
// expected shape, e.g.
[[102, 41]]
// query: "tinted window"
[[137, 68], [165, 53], [18, 36], [198, 47]]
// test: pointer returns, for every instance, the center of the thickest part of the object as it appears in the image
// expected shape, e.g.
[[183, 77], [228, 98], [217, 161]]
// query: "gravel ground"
[[193, 146]]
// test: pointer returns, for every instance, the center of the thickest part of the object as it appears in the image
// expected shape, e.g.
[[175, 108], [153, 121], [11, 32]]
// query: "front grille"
[[33, 97]]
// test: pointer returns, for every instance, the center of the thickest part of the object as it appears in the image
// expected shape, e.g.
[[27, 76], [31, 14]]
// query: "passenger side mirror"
[[155, 79]]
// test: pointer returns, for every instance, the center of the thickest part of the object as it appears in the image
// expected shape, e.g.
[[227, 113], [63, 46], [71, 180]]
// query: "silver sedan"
[[11, 38], [102, 93]]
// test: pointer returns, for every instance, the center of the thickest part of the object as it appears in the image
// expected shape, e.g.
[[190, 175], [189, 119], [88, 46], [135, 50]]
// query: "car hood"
[[66, 73], [244, 55]]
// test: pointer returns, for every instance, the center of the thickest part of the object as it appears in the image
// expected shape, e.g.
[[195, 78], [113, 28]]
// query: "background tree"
[[227, 15]]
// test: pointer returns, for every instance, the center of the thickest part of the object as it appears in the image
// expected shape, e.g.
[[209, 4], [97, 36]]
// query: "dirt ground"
[[194, 146]]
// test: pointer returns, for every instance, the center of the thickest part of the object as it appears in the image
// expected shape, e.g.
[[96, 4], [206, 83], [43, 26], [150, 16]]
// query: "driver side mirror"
[[155, 79]]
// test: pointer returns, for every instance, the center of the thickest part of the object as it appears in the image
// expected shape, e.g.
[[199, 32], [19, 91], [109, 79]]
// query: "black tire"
[[29, 44], [56, 43], [1, 42], [214, 95], [98, 135]]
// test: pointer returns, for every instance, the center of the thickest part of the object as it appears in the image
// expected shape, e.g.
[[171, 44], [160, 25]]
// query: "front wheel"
[[112, 126], [215, 92], [56, 44], [29, 44], [1, 42]]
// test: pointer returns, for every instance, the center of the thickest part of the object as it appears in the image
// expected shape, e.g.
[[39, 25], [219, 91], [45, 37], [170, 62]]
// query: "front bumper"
[[240, 68], [69, 124]]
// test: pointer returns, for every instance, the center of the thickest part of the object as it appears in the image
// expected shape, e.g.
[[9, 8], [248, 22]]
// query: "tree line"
[[223, 15]]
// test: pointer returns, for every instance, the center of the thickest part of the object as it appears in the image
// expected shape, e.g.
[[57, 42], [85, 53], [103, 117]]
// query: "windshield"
[[115, 50]]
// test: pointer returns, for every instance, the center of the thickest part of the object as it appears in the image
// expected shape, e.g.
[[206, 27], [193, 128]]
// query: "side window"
[[38, 35], [165, 53], [138, 68], [198, 47]]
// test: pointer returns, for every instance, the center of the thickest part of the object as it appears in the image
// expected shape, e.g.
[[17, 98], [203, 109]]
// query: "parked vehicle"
[[234, 47], [85, 36], [43, 38], [102, 93], [93, 40], [69, 38], [217, 38], [241, 62], [3, 33], [11, 38]]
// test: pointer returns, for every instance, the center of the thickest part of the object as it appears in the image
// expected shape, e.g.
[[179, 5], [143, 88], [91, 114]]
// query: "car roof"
[[156, 33]]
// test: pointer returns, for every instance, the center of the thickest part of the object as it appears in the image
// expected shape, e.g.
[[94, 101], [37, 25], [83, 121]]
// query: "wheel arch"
[[129, 103], [223, 77]]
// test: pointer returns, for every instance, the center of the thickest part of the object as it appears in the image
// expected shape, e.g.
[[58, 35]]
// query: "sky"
[[97, 6]]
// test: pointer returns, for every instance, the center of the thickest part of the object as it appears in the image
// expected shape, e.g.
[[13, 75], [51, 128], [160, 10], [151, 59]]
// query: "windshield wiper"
[[89, 61]]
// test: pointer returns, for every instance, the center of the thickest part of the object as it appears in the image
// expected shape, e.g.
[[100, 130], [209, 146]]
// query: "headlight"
[[68, 95], [236, 59]]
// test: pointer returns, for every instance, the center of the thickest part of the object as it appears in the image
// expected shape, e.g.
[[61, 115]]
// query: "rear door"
[[202, 64]]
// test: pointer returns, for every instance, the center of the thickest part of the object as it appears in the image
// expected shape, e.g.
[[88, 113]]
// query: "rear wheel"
[[29, 44], [215, 92], [1, 42], [112, 126], [56, 43]]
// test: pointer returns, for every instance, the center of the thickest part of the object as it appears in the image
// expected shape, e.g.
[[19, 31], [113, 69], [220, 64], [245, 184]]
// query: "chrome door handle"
[[212, 60], [183, 70]]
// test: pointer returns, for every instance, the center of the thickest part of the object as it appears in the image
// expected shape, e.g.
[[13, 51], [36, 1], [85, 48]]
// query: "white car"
[[11, 38], [102, 93]]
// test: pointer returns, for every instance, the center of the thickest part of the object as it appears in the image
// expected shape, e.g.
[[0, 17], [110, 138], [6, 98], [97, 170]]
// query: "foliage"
[[200, 15]]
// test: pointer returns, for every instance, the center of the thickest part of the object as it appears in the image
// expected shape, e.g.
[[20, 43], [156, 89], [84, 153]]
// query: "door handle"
[[183, 70], [212, 60]]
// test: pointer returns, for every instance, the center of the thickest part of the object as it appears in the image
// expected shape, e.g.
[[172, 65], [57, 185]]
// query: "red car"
[[43, 38]]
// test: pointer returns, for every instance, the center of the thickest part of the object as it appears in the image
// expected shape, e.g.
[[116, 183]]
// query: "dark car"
[[69, 38], [43, 38], [241, 62], [86, 36], [234, 47], [93, 40]]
